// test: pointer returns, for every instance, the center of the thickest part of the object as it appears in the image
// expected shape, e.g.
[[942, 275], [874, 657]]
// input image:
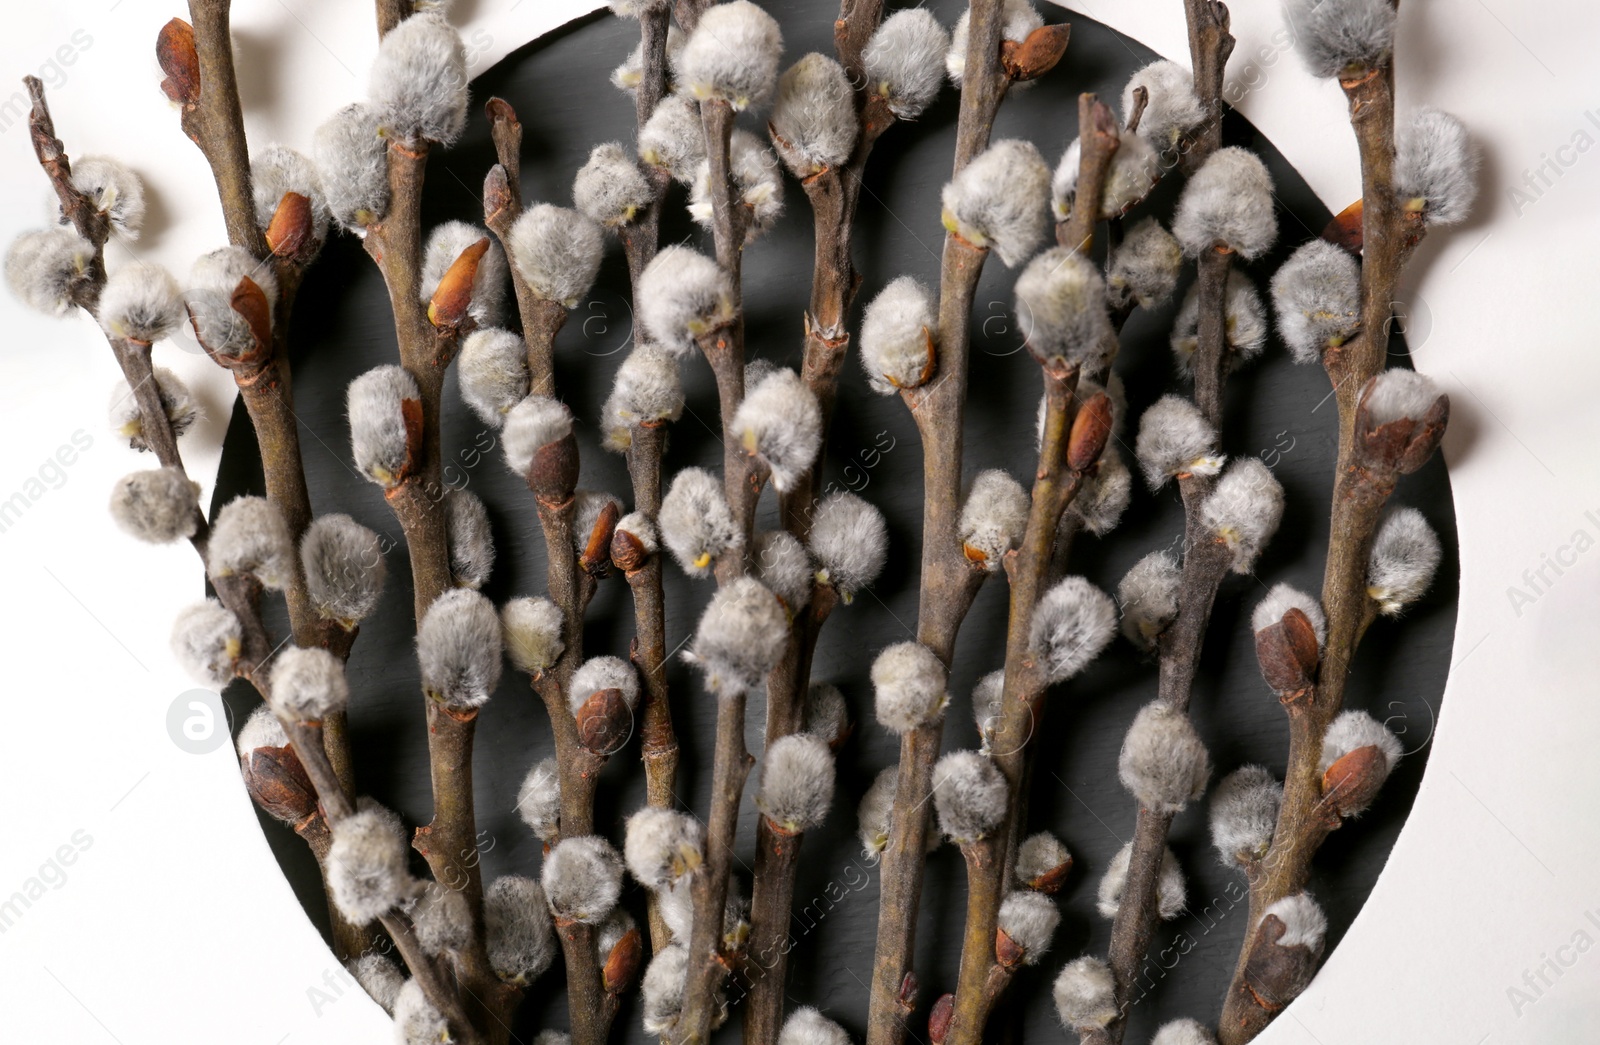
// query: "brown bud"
[[1090, 430], [597, 552], [1051, 881], [453, 297], [604, 722], [176, 54], [939, 1020], [1353, 781], [497, 195], [622, 964], [1287, 652], [1275, 975], [974, 555], [1036, 55], [627, 551], [278, 783], [411, 415], [553, 475], [1399, 447], [502, 117], [907, 998], [289, 232], [1008, 952], [1345, 229]]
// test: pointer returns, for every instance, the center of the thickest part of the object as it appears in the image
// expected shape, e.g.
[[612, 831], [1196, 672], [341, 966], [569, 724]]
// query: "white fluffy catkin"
[[140, 302], [779, 421], [1227, 202], [757, 180], [493, 372], [352, 159], [1163, 762], [557, 251], [1144, 267], [1341, 38], [1171, 110], [1170, 885], [1135, 169], [44, 268], [531, 425], [470, 538], [1175, 439], [904, 61], [1019, 20], [279, 170], [740, 637], [1244, 324], [377, 423], [344, 568], [158, 506], [1435, 167], [1357, 729], [897, 334], [379, 977], [814, 115], [610, 189], [1244, 813], [986, 696], [1061, 308], [178, 405], [114, 189], [1405, 554], [796, 782], [445, 244], [850, 542], [807, 1026], [1040, 854], [662, 845], [517, 930], [1282, 598], [1085, 994], [648, 386], [696, 523], [250, 536], [1399, 394], [779, 560], [1072, 623], [674, 138], [440, 917], [598, 673], [416, 1021], [909, 685], [1030, 919], [662, 988], [1183, 1032], [630, 73], [969, 795], [874, 812], [221, 270], [826, 716], [366, 866], [1244, 510], [418, 82], [1104, 493], [207, 639], [1317, 297], [582, 879], [589, 505], [993, 518], [1303, 921], [539, 799], [458, 649], [261, 729], [530, 630], [1148, 594], [683, 294], [1001, 200], [733, 55], [308, 685]]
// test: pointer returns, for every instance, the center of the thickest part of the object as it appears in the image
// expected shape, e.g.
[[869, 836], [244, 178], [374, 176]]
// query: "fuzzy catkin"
[[648, 387], [1228, 201], [440, 917], [140, 302], [45, 268], [1039, 855], [250, 537], [1170, 885], [757, 182], [158, 506], [1244, 510], [1317, 297], [418, 83], [674, 139], [416, 1021], [696, 523], [1175, 439], [1405, 554], [1144, 267], [986, 697], [780, 421], [1398, 395], [1085, 994], [279, 170], [1244, 814], [662, 845], [458, 649], [600, 673], [814, 115], [1435, 167], [590, 504], [344, 568], [1061, 308], [1244, 324], [261, 729], [683, 294], [446, 243], [1304, 922], [539, 799], [909, 682], [1149, 596], [1018, 20], [826, 716], [807, 1026], [308, 685], [1356, 729], [530, 629], [1030, 919], [1001, 200], [114, 189], [378, 438], [609, 189], [874, 812], [379, 977], [531, 425], [796, 782], [630, 73], [557, 251], [1104, 493], [206, 640], [1134, 171], [662, 988], [897, 336], [470, 538], [516, 928], [732, 55], [740, 637], [1072, 623], [366, 866], [1171, 109], [493, 371], [850, 542], [352, 159], [1341, 38], [904, 61], [1183, 1032], [178, 406], [582, 879], [779, 560], [969, 795], [1163, 762], [221, 271], [993, 517]]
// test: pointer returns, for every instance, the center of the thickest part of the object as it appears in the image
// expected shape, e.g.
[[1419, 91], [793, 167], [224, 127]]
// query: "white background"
[[173, 923]]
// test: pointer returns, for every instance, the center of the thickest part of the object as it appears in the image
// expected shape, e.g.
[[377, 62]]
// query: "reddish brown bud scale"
[[178, 58], [1090, 431], [1036, 55], [1288, 655], [1275, 975], [604, 722], [1051, 881], [1402, 446], [940, 1018], [553, 475], [597, 552], [497, 195], [278, 783], [627, 551], [1345, 229], [453, 297], [411, 414], [1353, 781], [289, 231], [1008, 952], [622, 964]]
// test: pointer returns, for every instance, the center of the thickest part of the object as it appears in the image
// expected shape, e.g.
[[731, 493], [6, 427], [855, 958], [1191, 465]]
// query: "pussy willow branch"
[[771, 906], [949, 582], [1388, 236], [1210, 44]]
